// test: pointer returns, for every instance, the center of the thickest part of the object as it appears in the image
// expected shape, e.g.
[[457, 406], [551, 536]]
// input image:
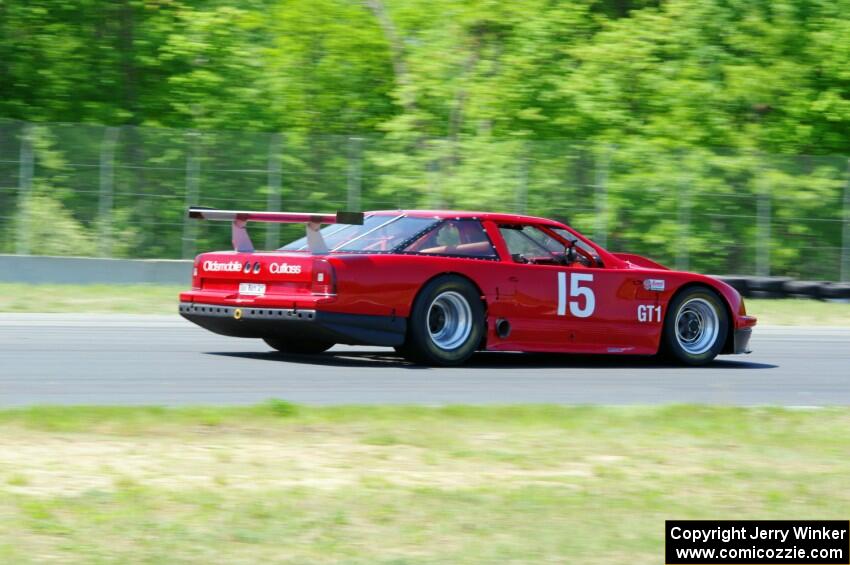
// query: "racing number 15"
[[577, 291]]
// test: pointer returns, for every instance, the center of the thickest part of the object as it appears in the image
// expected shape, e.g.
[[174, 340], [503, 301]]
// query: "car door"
[[565, 307]]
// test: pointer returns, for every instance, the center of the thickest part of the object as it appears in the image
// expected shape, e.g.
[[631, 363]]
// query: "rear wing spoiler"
[[240, 218]]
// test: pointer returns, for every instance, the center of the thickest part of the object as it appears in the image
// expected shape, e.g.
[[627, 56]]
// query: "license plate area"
[[252, 289]]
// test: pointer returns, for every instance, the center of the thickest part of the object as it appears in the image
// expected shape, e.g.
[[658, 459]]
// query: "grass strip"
[[157, 299], [285, 483]]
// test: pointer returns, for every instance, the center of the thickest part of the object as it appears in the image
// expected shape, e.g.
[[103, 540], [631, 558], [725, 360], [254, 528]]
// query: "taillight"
[[196, 280], [324, 278]]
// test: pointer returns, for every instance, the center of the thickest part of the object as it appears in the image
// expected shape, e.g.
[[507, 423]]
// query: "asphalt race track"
[[78, 359]]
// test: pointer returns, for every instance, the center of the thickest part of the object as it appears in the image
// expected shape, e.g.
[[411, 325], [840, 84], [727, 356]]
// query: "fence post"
[[600, 235], [521, 201], [763, 213], [845, 232], [26, 167], [683, 257], [273, 197], [432, 171], [105, 203], [193, 173], [355, 165]]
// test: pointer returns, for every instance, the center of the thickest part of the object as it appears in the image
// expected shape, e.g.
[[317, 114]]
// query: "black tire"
[[298, 347], [432, 337], [696, 326]]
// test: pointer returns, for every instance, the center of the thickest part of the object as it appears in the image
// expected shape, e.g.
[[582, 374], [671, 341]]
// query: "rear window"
[[465, 238], [379, 233], [387, 235], [335, 234]]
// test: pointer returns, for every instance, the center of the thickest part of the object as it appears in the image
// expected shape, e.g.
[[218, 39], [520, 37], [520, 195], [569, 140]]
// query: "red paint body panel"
[[527, 295]]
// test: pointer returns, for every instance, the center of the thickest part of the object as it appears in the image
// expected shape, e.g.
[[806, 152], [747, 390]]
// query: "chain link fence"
[[87, 190]]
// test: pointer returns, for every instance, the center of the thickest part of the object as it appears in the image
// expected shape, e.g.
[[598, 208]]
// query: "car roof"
[[466, 214]]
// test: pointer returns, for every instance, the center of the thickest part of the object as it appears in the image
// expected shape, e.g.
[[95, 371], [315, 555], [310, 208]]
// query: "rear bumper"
[[354, 329]]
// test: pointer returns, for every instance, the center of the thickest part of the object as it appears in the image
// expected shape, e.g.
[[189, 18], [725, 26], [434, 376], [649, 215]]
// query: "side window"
[[465, 238], [519, 243], [527, 244], [544, 239], [570, 237]]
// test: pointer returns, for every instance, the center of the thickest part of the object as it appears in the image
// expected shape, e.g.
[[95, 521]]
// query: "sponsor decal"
[[657, 285], [284, 269], [217, 266]]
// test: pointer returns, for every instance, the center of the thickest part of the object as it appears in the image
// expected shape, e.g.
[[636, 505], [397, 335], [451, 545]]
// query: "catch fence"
[[88, 190]]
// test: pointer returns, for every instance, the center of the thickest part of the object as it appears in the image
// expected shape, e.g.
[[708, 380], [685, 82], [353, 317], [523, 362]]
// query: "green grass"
[[88, 299], [292, 484], [799, 312], [155, 299]]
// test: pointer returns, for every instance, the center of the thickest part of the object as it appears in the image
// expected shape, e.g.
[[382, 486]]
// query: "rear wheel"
[[696, 326], [446, 323], [287, 345]]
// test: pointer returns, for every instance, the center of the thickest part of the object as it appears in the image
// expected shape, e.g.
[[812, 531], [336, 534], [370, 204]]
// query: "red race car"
[[440, 285]]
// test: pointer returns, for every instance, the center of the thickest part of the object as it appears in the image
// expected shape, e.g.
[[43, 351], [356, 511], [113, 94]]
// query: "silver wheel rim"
[[697, 326], [449, 320]]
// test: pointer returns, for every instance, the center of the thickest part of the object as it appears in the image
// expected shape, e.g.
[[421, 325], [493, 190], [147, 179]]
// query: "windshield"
[[531, 244], [377, 234]]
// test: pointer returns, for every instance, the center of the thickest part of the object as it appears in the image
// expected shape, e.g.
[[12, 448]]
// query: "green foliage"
[[686, 112], [63, 235]]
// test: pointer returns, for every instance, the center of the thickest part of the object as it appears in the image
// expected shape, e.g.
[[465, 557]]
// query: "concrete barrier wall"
[[84, 270]]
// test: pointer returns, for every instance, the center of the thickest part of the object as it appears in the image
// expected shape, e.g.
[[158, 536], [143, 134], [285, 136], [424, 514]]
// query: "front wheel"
[[446, 324], [296, 346], [696, 326]]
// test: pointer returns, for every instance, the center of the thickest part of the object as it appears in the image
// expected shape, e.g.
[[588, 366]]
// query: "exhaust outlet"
[[503, 328]]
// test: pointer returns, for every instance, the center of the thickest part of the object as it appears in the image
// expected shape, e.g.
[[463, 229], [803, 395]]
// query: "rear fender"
[[482, 296]]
